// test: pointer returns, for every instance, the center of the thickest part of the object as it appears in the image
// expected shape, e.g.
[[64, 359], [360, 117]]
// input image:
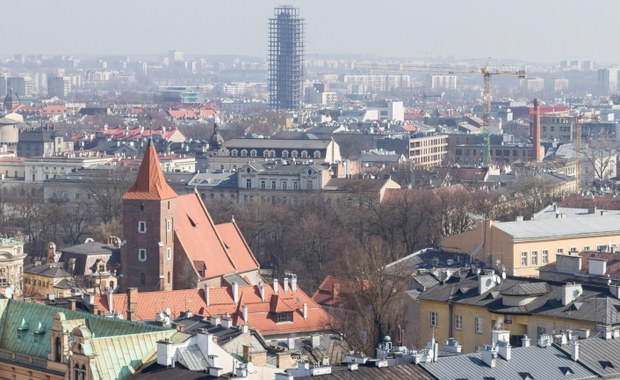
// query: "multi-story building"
[[367, 83], [443, 82], [21, 86], [11, 267], [42, 141], [279, 183], [472, 305], [286, 58], [522, 247], [38, 169], [58, 86], [235, 153], [608, 80], [468, 149], [557, 127], [423, 150]]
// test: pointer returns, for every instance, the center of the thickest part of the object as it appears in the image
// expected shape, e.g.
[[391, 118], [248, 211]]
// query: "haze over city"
[[535, 31]]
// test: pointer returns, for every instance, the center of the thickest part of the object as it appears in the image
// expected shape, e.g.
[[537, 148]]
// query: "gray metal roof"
[[539, 363], [597, 353], [193, 358], [563, 227], [551, 212]]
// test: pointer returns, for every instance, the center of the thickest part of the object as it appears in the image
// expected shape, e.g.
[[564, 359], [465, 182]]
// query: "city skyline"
[[536, 32]]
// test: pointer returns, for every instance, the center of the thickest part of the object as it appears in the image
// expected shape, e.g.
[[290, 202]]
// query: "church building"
[[171, 241]]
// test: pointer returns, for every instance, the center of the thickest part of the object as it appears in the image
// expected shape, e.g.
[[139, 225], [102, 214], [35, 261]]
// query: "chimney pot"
[[305, 311], [235, 291], [275, 286], [285, 284]]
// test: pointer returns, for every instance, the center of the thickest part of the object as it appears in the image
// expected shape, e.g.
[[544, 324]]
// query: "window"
[[253, 153], [168, 253], [586, 248], [248, 183], [534, 258], [142, 279], [294, 154], [168, 225], [142, 254], [79, 372], [545, 257], [168, 277], [573, 249], [234, 152], [310, 185], [317, 154], [304, 154], [458, 322], [285, 154], [244, 153], [434, 318], [273, 185], [295, 185], [560, 251], [478, 325], [284, 185], [284, 317], [508, 319], [141, 206], [262, 185], [141, 227], [524, 259]]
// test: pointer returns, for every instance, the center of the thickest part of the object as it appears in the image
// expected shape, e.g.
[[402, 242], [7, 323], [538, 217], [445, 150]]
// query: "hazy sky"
[[533, 30]]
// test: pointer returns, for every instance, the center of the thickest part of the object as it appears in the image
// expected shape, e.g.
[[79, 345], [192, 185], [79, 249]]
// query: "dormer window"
[[284, 317], [141, 227]]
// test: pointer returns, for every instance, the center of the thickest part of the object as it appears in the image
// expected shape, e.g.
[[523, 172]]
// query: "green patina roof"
[[15, 314]]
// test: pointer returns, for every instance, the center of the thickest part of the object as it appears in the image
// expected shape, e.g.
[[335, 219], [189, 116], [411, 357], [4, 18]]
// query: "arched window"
[[244, 153], [285, 154], [234, 152], [294, 154], [272, 153], [142, 279], [253, 153], [304, 154], [266, 153], [168, 277], [58, 348], [317, 154]]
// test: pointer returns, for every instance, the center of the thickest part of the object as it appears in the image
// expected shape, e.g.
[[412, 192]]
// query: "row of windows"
[[532, 258], [458, 322], [496, 152], [142, 226], [272, 153], [142, 254]]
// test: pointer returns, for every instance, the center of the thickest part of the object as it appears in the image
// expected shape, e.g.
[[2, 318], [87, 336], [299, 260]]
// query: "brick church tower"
[[147, 256]]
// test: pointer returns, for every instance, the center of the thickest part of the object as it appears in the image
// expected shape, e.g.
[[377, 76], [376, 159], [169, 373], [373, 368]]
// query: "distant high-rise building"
[[286, 58], [608, 80], [443, 82], [58, 86], [21, 86]]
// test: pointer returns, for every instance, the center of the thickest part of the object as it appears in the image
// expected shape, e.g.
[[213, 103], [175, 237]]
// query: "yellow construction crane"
[[486, 105]]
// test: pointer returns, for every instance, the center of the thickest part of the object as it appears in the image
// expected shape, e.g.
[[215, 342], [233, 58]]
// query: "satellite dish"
[[167, 311], [498, 280], [503, 275], [251, 368]]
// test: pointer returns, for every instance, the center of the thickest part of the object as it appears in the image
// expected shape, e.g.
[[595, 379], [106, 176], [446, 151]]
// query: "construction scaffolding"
[[286, 59]]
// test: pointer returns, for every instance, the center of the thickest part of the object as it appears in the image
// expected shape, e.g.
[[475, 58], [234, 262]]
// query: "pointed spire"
[[150, 183]]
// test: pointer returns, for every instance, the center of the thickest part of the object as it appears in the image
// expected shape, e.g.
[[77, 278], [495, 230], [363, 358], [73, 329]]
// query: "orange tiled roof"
[[261, 314], [238, 250], [150, 183]]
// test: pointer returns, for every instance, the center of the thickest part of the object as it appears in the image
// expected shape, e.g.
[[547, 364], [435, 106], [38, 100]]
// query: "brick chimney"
[[536, 132], [132, 304]]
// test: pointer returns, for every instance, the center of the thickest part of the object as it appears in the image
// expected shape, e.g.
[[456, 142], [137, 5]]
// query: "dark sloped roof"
[[397, 372], [597, 353]]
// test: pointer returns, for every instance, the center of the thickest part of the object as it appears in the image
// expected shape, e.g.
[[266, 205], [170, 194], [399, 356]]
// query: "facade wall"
[[428, 151]]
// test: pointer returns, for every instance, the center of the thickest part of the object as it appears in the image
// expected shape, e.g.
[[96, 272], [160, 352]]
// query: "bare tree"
[[107, 188]]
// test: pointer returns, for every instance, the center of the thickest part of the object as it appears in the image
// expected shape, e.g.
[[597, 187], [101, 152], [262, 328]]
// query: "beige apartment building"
[[522, 247], [428, 151]]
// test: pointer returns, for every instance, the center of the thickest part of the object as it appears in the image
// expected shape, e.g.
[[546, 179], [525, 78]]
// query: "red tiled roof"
[[325, 296], [261, 314], [199, 237], [237, 248], [150, 183]]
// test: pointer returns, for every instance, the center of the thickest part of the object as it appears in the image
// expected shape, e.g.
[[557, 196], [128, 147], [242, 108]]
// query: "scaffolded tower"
[[286, 58]]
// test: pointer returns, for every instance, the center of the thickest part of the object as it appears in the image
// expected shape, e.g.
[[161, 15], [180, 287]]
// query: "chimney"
[[488, 355], [261, 290], [536, 138], [285, 284], [245, 313], [132, 304], [570, 293], [275, 286], [110, 301], [525, 341], [293, 283], [305, 310], [207, 295], [597, 266], [72, 303], [544, 340], [235, 292], [504, 349], [574, 353], [555, 207]]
